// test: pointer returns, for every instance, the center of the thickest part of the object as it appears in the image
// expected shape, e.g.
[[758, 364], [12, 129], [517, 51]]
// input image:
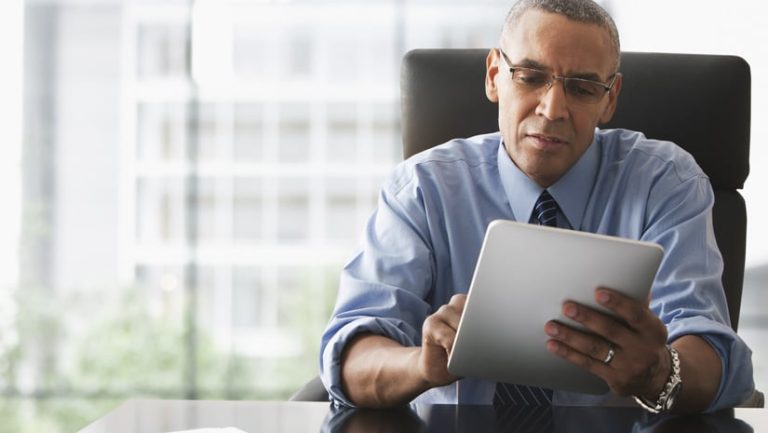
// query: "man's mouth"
[[547, 142], [549, 138]]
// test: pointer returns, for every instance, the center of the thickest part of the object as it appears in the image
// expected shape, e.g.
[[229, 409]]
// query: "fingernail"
[[570, 311], [551, 330], [603, 297], [553, 347]]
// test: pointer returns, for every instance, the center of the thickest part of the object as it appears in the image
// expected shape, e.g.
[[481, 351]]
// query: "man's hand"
[[641, 363], [438, 335], [379, 372]]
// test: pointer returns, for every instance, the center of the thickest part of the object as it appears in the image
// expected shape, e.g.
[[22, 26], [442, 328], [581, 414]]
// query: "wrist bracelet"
[[670, 391]]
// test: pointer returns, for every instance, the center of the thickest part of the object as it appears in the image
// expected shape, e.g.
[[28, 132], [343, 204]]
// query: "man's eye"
[[531, 78], [583, 89]]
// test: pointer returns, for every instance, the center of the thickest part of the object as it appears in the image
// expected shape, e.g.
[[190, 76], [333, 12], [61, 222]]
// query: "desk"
[[158, 416]]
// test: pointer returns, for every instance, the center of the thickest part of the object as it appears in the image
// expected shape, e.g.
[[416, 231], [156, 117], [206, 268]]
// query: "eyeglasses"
[[577, 90]]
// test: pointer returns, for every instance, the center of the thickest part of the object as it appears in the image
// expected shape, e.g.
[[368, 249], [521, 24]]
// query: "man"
[[555, 78]]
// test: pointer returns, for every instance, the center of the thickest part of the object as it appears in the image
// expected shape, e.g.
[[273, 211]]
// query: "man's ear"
[[491, 70], [613, 99]]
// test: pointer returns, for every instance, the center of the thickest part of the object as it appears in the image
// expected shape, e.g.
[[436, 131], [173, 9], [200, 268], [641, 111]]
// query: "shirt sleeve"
[[384, 286], [688, 294]]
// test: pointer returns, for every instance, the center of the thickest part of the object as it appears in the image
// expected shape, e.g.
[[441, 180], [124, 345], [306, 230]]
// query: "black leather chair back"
[[700, 102]]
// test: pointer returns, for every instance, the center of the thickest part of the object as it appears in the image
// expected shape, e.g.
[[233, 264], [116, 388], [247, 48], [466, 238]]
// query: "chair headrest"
[[700, 102]]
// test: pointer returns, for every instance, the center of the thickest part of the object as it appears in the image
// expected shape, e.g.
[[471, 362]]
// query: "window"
[[228, 256], [248, 210], [293, 142], [248, 133], [293, 210], [342, 126], [161, 132], [341, 201], [161, 50]]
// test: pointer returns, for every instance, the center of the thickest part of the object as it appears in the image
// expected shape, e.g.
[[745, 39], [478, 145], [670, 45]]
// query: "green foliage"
[[127, 349], [89, 351], [39, 326]]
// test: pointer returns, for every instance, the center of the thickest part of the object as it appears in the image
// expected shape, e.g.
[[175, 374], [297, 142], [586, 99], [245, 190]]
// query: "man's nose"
[[553, 102]]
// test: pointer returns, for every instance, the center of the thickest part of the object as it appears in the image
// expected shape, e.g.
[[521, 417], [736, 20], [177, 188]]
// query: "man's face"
[[545, 131]]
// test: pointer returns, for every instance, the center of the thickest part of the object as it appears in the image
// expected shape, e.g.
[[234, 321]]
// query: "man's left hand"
[[640, 364]]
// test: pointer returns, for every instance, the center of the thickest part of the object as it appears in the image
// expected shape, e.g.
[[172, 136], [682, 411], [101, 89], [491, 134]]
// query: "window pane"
[[385, 134], [293, 288], [294, 138], [161, 131], [248, 210], [160, 211], [299, 54], [248, 133], [210, 141], [207, 209], [161, 51], [248, 300], [342, 140], [293, 209], [341, 221]]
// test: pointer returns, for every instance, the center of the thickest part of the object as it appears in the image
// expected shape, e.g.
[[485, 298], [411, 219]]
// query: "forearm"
[[700, 370], [378, 372]]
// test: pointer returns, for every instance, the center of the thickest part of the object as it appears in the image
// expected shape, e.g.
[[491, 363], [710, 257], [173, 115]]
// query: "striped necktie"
[[545, 210], [509, 394]]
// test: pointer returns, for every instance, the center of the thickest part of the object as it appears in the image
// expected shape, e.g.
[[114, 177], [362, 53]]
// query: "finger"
[[457, 303], [451, 312], [594, 366], [635, 313], [440, 328], [598, 322], [438, 333], [588, 344]]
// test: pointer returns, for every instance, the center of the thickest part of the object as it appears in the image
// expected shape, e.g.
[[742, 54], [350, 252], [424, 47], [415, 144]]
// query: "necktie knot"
[[545, 210]]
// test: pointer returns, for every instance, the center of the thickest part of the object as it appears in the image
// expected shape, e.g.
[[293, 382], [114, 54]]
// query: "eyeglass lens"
[[576, 89]]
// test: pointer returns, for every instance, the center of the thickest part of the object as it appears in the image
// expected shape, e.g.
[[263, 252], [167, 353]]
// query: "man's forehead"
[[586, 74], [549, 41]]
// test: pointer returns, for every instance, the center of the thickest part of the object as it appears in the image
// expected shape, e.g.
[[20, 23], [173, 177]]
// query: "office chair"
[[700, 102]]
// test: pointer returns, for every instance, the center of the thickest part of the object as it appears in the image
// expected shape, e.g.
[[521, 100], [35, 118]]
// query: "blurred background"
[[182, 182]]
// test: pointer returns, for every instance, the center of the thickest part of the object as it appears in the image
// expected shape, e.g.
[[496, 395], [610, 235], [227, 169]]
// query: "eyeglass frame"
[[607, 86]]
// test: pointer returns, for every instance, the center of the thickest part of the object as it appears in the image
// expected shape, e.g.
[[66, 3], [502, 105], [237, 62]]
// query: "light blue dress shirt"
[[421, 244]]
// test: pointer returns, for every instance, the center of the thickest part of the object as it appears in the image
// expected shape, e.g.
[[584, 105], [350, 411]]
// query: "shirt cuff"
[[330, 362]]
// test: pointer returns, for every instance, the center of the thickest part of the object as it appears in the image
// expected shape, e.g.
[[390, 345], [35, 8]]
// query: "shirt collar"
[[571, 192]]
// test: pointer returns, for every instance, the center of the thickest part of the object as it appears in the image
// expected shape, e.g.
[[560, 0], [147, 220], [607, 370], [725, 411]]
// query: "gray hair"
[[583, 11]]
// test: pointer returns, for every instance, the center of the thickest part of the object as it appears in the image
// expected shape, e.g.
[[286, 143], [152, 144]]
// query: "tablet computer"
[[523, 275]]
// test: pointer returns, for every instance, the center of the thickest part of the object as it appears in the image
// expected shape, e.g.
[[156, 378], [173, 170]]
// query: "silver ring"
[[610, 355]]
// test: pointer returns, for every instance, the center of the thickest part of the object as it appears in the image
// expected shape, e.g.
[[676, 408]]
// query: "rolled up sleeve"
[[383, 288], [688, 294]]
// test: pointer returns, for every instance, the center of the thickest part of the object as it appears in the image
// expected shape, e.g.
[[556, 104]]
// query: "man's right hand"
[[438, 335], [377, 371]]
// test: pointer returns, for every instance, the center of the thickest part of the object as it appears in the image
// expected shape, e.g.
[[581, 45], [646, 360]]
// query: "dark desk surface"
[[159, 416]]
